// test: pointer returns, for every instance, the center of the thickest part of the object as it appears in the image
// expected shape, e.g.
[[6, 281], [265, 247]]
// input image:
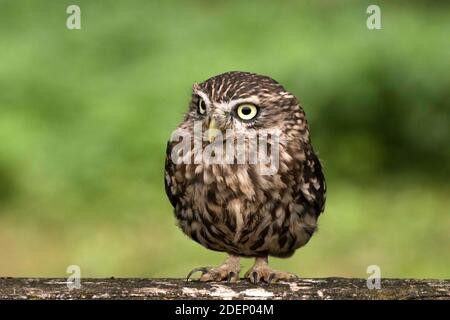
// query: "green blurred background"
[[85, 116]]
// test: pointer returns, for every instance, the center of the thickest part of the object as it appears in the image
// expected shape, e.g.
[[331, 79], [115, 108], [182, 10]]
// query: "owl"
[[250, 208]]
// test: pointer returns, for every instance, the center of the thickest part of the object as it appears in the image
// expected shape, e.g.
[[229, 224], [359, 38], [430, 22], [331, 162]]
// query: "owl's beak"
[[213, 130]]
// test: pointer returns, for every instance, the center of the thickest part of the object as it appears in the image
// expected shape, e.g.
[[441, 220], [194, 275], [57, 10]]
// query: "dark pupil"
[[246, 111], [202, 105]]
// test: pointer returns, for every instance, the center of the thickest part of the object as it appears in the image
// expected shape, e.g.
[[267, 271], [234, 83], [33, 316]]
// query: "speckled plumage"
[[232, 207]]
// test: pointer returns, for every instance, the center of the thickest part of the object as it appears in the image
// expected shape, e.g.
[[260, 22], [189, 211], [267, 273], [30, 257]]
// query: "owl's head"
[[244, 101]]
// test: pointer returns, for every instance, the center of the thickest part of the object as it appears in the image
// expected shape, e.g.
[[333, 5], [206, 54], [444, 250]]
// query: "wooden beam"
[[135, 288]]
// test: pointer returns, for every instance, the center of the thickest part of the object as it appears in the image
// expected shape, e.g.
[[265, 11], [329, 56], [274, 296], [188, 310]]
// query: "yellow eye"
[[201, 106], [247, 111]]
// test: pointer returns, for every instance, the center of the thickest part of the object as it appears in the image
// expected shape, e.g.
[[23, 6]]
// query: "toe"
[[276, 276], [227, 272], [253, 276], [271, 278], [219, 274], [203, 270], [233, 277], [209, 276]]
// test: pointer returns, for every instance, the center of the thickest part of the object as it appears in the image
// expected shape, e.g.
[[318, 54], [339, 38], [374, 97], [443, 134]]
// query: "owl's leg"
[[228, 270], [262, 272]]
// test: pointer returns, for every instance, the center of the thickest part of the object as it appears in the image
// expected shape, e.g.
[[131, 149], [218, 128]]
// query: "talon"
[[231, 276], [254, 277], [203, 270], [270, 278]]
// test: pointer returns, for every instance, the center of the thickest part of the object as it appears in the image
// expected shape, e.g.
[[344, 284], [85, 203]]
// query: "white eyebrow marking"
[[228, 106], [252, 99], [204, 96]]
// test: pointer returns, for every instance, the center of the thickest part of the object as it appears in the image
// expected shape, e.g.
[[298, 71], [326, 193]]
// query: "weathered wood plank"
[[134, 288]]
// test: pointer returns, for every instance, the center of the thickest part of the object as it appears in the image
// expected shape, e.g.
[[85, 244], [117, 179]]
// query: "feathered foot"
[[262, 272], [228, 270]]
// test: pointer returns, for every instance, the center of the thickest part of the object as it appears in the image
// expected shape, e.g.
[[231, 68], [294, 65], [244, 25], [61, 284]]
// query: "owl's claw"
[[268, 275], [262, 272], [215, 274], [252, 276], [232, 277], [281, 275], [203, 270], [228, 271]]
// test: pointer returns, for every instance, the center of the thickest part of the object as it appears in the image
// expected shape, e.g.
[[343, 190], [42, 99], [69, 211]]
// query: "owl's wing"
[[169, 179], [312, 184]]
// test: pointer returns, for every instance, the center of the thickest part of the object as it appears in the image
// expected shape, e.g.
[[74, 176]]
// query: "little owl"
[[232, 206]]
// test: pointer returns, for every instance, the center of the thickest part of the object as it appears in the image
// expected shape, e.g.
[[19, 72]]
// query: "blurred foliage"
[[85, 115]]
